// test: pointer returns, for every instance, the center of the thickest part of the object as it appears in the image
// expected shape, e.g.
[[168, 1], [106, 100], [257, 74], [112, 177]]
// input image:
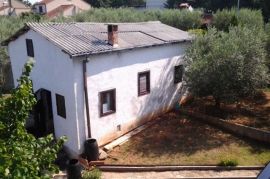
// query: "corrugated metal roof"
[[78, 39]]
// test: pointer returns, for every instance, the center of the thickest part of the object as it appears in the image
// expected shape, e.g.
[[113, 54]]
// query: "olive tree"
[[227, 65], [21, 154]]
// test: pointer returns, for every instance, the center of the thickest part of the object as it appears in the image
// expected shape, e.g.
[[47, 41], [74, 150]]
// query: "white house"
[[55, 8], [155, 4], [100, 80]]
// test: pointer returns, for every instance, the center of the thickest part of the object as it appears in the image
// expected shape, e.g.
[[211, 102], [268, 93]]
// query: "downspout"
[[86, 97]]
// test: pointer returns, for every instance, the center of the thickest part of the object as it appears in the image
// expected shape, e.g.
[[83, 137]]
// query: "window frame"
[[176, 81], [148, 83], [62, 112], [30, 48], [113, 103]]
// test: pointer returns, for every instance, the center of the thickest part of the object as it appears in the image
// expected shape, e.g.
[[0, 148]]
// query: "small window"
[[29, 48], [178, 73], [107, 102], [60, 104], [143, 83]]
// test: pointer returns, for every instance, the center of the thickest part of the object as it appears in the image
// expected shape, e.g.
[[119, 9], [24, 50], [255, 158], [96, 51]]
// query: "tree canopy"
[[227, 65], [215, 5], [21, 154]]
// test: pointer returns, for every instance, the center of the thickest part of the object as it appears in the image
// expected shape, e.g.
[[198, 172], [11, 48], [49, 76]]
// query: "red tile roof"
[[57, 11]]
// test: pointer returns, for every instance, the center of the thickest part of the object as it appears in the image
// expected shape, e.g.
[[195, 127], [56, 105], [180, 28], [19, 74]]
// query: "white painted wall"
[[54, 71], [120, 70], [159, 4]]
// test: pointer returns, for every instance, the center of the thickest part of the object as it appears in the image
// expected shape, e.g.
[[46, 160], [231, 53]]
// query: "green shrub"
[[225, 18], [197, 31], [92, 174], [228, 162], [184, 20]]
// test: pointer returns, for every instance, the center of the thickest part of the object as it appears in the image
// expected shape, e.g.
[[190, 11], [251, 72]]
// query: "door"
[[43, 115]]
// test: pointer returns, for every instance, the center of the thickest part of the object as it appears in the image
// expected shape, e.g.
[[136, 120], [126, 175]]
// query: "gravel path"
[[180, 174]]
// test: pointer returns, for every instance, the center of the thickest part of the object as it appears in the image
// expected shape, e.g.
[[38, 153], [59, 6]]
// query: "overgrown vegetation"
[[227, 66], [21, 154], [224, 19], [184, 20], [215, 5]]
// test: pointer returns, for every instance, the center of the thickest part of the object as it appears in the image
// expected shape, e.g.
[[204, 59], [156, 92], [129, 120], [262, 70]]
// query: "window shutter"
[[29, 48], [144, 83]]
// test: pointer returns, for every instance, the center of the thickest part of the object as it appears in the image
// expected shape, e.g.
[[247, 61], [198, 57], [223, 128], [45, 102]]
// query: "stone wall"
[[238, 129]]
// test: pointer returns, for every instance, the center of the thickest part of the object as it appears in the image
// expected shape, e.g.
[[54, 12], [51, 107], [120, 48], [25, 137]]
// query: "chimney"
[[113, 35]]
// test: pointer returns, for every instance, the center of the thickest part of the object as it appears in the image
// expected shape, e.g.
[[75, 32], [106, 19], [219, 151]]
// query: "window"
[[107, 102], [29, 48], [178, 73], [60, 104], [143, 83], [40, 9]]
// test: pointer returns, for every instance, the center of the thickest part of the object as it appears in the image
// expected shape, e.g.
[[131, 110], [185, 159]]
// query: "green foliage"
[[21, 154], [227, 65], [180, 19], [91, 174], [197, 32], [228, 163], [224, 19], [267, 31]]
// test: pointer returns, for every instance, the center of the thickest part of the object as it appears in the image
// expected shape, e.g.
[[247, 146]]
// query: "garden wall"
[[238, 129]]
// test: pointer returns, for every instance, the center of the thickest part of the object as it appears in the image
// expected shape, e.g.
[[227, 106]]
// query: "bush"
[[91, 174], [228, 163], [224, 19], [227, 66], [184, 20]]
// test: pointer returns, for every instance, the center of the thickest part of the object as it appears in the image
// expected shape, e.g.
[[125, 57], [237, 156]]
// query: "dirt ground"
[[253, 111], [181, 140]]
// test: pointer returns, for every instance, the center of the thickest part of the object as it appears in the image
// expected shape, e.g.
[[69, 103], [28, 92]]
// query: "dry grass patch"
[[252, 111], [180, 140]]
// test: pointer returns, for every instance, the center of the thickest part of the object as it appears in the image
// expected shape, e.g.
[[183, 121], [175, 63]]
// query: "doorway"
[[43, 115]]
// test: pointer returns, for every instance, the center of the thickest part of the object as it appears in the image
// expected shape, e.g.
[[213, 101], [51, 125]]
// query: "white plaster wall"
[[54, 71], [120, 70], [155, 4]]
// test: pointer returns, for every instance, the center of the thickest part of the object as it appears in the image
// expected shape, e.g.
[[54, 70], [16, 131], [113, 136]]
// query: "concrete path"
[[182, 174]]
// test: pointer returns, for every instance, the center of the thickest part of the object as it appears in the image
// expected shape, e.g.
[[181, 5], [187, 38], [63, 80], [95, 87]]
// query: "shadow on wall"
[[164, 94]]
